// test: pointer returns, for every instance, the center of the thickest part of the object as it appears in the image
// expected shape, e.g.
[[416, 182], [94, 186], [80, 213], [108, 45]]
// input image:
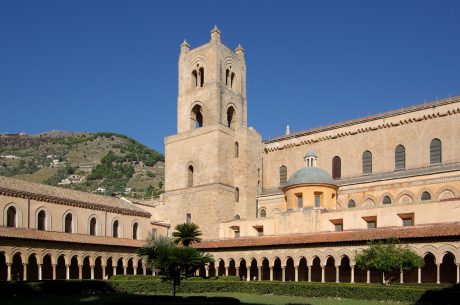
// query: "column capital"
[[9, 264]]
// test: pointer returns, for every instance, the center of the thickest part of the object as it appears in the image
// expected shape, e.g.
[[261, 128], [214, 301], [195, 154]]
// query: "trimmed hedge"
[[409, 293], [154, 285]]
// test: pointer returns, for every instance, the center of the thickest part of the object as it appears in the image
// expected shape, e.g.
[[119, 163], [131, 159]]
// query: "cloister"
[[442, 265], [57, 265]]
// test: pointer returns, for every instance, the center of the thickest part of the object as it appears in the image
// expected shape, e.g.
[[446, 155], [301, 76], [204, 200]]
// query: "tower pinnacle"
[[215, 34]]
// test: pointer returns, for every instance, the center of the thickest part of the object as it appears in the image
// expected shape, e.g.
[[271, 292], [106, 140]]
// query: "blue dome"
[[310, 153], [310, 175]]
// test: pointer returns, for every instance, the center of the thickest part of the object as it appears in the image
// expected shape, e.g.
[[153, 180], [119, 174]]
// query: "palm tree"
[[187, 234]]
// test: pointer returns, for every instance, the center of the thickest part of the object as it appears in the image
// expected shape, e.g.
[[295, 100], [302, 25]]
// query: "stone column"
[[114, 270], [54, 271], [206, 269], [103, 272], [39, 272], [458, 273], [438, 273], [337, 274], [237, 271], [419, 278], [24, 276], [352, 280], [135, 270], [248, 273], [296, 273], [368, 273], [124, 270], [8, 272], [144, 269], [67, 272], [259, 273], [92, 271], [80, 272], [226, 271], [283, 274], [271, 273], [323, 274], [309, 273], [401, 277]]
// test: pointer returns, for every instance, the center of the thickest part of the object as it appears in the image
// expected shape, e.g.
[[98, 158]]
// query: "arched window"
[[386, 200], [196, 117], [190, 176], [232, 79], [41, 221], [115, 229], [336, 168], [263, 213], [11, 217], [237, 149], [435, 151], [201, 77], [237, 194], [237, 217], [227, 77], [92, 226], [135, 228], [231, 117], [194, 79], [351, 203], [367, 162], [68, 223], [400, 157], [425, 196], [283, 175]]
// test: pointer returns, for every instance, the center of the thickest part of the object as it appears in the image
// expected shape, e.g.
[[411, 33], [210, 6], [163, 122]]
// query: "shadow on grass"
[[446, 296]]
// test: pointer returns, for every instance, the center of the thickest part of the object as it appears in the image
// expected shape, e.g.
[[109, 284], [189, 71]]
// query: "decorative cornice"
[[294, 139], [70, 202]]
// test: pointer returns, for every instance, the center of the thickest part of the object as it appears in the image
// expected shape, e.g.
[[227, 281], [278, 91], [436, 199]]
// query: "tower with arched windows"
[[213, 161]]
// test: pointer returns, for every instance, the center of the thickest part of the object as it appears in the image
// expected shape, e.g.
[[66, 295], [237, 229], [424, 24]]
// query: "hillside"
[[102, 162]]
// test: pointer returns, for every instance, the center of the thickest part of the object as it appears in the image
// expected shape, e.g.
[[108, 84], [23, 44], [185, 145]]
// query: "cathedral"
[[294, 208]]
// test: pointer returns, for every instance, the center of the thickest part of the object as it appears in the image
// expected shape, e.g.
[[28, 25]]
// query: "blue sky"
[[112, 65]]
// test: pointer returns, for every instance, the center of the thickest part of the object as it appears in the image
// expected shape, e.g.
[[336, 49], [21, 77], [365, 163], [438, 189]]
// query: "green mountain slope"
[[102, 162]]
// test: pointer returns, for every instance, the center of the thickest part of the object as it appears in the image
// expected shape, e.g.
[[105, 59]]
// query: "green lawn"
[[243, 297]]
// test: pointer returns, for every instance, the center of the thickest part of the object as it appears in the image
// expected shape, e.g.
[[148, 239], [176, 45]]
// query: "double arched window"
[[336, 168], [435, 151], [400, 157], [198, 77], [229, 78], [283, 175], [367, 162]]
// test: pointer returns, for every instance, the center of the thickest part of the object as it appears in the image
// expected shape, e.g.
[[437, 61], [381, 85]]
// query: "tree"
[[388, 257], [187, 234], [175, 262]]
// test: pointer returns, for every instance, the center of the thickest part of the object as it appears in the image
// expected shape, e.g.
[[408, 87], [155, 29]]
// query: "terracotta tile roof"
[[68, 237], [434, 230], [21, 188]]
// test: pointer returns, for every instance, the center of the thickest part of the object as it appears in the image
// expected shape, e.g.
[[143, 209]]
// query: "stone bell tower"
[[213, 162]]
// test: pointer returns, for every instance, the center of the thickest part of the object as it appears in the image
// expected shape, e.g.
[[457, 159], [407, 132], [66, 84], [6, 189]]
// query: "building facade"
[[297, 207]]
